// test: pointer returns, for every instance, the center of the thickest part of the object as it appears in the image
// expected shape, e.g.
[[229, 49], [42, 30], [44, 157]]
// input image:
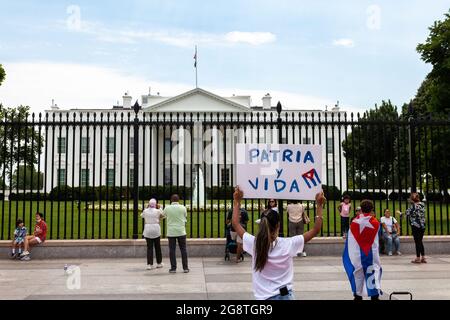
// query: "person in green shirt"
[[176, 230]]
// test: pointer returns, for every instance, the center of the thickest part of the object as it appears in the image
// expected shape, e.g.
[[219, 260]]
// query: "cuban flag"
[[311, 177], [361, 256]]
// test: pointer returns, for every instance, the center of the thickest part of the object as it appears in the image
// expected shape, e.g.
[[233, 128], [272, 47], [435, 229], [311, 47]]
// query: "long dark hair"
[[267, 227]]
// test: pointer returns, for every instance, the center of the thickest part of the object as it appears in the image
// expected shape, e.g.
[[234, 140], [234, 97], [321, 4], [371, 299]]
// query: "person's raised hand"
[[320, 199], [238, 194]]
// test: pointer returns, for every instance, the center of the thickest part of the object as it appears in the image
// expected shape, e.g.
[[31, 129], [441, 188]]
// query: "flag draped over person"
[[361, 257]]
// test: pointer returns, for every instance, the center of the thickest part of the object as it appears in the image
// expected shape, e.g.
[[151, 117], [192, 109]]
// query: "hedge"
[[357, 195], [331, 192], [30, 196], [220, 193]]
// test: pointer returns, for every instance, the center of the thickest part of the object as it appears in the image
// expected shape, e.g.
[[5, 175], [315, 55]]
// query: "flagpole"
[[196, 77]]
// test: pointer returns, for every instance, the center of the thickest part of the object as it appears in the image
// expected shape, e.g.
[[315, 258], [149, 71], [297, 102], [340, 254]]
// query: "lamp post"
[[280, 141], [136, 108]]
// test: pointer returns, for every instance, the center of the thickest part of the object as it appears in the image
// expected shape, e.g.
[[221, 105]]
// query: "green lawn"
[[73, 222]]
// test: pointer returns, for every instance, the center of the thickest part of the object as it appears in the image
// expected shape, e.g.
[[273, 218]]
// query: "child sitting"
[[19, 239]]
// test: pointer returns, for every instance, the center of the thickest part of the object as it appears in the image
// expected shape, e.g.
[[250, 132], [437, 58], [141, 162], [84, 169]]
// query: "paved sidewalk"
[[210, 278]]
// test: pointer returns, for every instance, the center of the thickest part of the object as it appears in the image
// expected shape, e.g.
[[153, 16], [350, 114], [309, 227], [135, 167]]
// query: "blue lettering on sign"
[[308, 157], [279, 172], [266, 184], [254, 153], [287, 154], [277, 188], [264, 156], [275, 154], [255, 186], [294, 185]]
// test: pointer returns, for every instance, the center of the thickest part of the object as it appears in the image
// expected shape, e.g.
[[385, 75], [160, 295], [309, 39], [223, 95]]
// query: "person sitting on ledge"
[[39, 236], [19, 239]]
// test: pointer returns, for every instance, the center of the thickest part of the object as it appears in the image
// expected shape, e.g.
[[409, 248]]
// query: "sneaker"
[[186, 270], [399, 253], [299, 254], [13, 255], [25, 258], [25, 253], [303, 254], [390, 253], [160, 265], [172, 270], [150, 267]]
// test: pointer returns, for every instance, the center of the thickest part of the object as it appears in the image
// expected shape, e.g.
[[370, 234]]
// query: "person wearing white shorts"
[[39, 236], [235, 237]]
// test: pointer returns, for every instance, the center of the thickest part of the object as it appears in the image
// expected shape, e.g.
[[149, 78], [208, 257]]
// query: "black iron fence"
[[91, 173]]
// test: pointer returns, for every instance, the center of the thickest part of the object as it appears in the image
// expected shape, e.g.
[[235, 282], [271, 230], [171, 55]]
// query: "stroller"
[[231, 245]]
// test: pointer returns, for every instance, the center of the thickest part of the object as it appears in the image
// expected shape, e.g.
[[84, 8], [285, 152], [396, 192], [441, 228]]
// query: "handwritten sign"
[[279, 171]]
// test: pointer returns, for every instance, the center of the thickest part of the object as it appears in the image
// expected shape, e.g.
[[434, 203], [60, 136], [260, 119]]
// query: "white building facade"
[[179, 138]]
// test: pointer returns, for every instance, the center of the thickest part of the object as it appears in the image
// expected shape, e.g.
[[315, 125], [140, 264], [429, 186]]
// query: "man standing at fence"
[[176, 230]]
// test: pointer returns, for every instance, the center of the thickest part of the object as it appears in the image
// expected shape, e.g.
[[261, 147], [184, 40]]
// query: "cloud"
[[83, 86], [253, 38], [344, 42], [178, 38]]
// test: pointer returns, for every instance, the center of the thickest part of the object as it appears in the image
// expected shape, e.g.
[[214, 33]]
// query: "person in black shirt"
[[234, 236]]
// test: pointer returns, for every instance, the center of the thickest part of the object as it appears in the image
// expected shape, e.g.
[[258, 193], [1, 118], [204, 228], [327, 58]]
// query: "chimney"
[[126, 101], [336, 107], [54, 106], [267, 102]]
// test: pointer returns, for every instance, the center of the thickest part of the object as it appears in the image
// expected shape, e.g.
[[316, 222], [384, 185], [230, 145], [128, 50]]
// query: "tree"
[[19, 144], [372, 149], [433, 97], [2, 74], [434, 93], [27, 178]]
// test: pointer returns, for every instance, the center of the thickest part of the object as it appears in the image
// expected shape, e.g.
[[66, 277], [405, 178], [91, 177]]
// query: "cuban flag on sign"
[[311, 177], [361, 256]]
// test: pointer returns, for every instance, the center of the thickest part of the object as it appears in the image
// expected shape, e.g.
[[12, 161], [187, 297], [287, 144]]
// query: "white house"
[[182, 139]]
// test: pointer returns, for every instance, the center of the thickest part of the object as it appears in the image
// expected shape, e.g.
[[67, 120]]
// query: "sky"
[[306, 54]]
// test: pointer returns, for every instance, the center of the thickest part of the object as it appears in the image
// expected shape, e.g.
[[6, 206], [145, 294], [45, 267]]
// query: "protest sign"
[[280, 171]]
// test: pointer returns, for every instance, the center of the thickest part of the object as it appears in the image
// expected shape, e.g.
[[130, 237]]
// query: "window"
[[61, 177], [167, 145], [167, 176], [85, 145], [306, 140], [144, 99], [84, 178], [225, 177], [61, 145], [131, 145], [110, 177], [110, 145], [329, 145], [330, 177], [131, 177]]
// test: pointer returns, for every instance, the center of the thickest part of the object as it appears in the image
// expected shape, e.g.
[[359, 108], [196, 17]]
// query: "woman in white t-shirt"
[[152, 232], [272, 256], [391, 231]]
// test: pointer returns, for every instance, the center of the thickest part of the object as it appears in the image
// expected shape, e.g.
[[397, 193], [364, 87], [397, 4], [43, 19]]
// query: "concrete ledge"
[[128, 248]]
